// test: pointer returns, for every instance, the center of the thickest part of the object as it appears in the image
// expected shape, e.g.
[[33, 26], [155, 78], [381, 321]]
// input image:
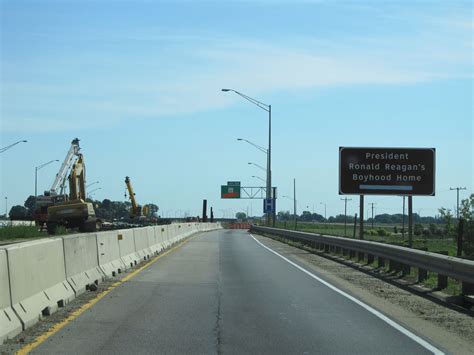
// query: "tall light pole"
[[267, 108], [36, 173], [6, 207], [11, 145], [325, 219]]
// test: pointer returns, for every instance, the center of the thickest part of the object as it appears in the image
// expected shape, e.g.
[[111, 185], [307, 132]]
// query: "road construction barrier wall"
[[82, 262], [161, 234], [10, 325], [140, 236], [126, 243], [109, 253], [37, 279]]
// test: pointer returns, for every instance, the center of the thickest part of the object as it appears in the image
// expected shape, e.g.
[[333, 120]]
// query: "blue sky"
[[139, 83]]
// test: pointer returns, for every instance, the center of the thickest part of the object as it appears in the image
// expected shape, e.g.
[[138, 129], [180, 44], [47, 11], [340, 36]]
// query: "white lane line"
[[376, 313]]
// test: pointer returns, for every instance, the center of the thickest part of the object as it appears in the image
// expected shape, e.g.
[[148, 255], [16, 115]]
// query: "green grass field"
[[10, 233]]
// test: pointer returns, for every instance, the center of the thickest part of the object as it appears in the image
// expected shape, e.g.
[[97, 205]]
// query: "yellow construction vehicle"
[[75, 212], [138, 214]]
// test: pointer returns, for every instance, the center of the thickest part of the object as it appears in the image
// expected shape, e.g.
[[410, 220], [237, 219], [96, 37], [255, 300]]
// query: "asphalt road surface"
[[223, 292]]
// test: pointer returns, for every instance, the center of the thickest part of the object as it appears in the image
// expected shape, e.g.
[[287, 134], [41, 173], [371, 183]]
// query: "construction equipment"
[[138, 214], [74, 211], [56, 193]]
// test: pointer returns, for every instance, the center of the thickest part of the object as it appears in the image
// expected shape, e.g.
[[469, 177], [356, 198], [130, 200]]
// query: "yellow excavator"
[[74, 212], [138, 213]]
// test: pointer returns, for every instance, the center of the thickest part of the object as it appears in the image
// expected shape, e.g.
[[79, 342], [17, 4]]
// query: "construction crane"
[[138, 214], [57, 191], [136, 210], [74, 212], [59, 181]]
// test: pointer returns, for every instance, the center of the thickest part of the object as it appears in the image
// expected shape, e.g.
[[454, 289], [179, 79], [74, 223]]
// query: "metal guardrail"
[[448, 266]]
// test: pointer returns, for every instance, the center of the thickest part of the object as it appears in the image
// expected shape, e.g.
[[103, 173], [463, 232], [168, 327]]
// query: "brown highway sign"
[[387, 171]]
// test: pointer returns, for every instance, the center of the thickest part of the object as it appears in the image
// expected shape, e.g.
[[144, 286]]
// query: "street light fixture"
[[258, 177], [36, 173], [255, 145], [96, 189], [11, 145], [258, 166], [92, 183], [267, 108]]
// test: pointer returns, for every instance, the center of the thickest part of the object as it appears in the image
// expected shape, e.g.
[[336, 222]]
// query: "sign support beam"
[[361, 213]]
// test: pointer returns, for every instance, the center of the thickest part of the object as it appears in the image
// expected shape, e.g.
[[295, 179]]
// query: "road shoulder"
[[444, 327]]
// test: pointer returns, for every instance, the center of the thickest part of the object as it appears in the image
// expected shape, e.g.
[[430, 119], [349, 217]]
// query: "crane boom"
[[62, 173], [77, 186], [136, 210]]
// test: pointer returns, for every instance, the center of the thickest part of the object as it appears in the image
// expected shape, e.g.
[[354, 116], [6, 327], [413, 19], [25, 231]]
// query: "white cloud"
[[253, 66]]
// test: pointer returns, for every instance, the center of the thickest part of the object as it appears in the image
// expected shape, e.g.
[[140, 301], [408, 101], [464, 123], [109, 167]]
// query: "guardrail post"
[[326, 248], [405, 269], [442, 282], [467, 288], [422, 275], [360, 256], [442, 279], [344, 252], [381, 262], [393, 266], [370, 258], [352, 254]]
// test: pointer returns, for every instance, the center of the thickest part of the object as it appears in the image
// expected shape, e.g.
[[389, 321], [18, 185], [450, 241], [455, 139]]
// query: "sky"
[[139, 83]]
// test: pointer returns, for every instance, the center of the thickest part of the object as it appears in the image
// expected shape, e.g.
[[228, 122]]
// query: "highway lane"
[[222, 292]]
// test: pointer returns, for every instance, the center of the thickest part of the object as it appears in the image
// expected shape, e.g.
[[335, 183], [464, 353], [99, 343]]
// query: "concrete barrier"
[[160, 236], [109, 253], [140, 237], [126, 243], [10, 325], [37, 279], [153, 241], [82, 262]]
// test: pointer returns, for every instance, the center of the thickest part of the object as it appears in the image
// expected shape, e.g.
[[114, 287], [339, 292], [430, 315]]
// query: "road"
[[223, 292]]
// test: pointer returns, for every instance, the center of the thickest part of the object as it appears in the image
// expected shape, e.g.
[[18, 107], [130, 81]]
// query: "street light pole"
[[6, 207], [267, 108], [36, 173], [11, 145], [325, 219]]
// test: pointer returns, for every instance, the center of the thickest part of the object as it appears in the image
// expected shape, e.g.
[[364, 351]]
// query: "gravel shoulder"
[[449, 329]]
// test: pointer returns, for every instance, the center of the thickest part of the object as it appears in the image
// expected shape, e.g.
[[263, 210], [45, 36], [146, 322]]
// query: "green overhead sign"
[[231, 190]]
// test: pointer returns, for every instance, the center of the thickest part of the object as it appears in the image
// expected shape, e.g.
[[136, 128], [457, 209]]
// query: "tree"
[[241, 215], [18, 213], [447, 217]]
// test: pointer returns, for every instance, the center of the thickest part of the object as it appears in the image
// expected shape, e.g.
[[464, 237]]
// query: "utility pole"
[[294, 201], [457, 201], [403, 218], [372, 204], [345, 199], [361, 213]]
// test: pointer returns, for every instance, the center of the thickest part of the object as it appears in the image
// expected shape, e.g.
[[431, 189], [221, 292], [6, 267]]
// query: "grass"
[[434, 244], [11, 233]]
